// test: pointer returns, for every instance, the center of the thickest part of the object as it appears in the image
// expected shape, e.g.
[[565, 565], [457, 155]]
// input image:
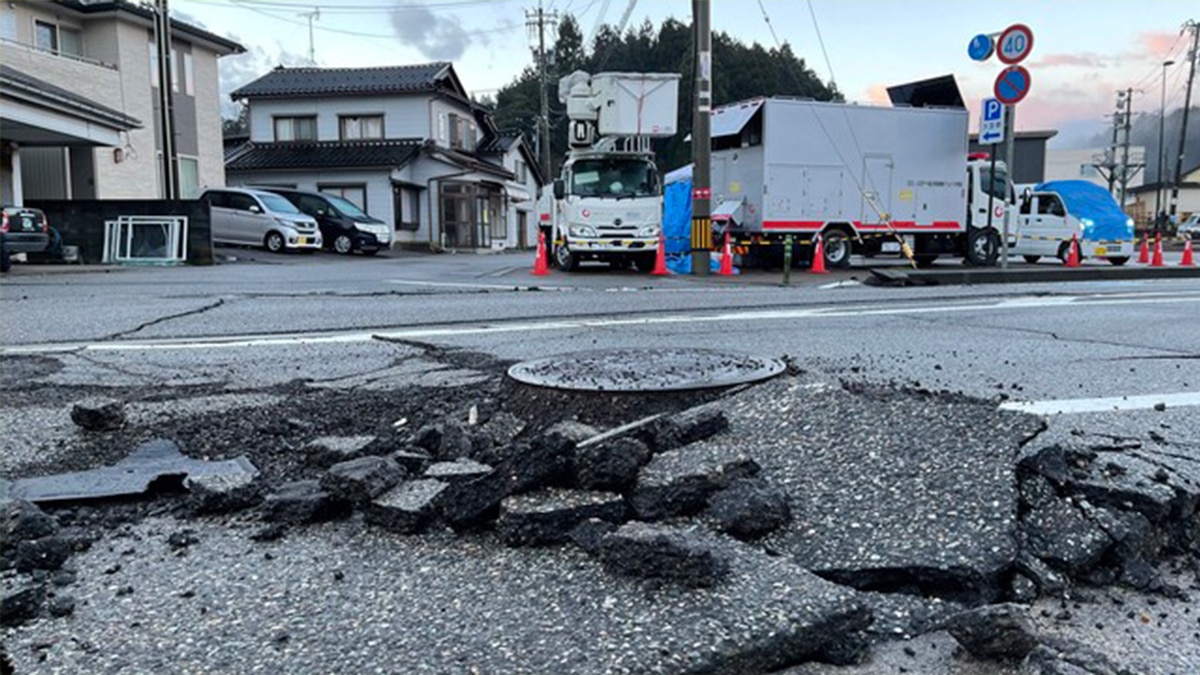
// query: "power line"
[[343, 31], [821, 41], [340, 8]]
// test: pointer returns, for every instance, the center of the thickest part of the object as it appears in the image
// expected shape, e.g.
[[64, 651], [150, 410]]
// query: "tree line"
[[740, 71]]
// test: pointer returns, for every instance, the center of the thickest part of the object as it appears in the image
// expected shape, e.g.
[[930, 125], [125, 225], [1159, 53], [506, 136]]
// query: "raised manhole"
[[632, 370]]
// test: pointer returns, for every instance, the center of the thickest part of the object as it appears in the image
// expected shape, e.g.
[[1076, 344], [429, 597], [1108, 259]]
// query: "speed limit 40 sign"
[[1014, 44]]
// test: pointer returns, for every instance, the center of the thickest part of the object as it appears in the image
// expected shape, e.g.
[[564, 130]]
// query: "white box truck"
[[607, 204], [867, 179]]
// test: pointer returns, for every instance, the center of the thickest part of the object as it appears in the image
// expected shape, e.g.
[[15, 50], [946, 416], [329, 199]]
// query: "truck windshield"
[[996, 185], [614, 178]]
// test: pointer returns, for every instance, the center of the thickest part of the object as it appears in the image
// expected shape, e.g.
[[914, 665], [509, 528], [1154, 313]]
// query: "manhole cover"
[[645, 370]]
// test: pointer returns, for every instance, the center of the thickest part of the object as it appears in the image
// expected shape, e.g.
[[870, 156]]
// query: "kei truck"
[[867, 179]]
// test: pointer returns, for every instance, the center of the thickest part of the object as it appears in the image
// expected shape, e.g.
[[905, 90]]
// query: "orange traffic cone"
[[1073, 255], [540, 266], [818, 263], [1144, 256], [660, 258], [1187, 255], [1156, 261], [726, 259]]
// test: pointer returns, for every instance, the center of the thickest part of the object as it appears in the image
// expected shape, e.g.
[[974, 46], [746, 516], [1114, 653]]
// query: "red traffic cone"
[[1144, 256], [1156, 261], [818, 263], [726, 259], [1187, 260], [540, 267], [660, 258], [1073, 255]]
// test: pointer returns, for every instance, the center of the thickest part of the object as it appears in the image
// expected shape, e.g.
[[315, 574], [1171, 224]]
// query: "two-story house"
[[79, 112], [405, 143]]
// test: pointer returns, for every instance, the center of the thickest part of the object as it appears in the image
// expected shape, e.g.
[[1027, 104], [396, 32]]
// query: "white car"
[[260, 218], [1190, 228]]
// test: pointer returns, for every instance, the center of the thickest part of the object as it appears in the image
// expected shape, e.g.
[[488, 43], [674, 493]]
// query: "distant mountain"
[[1144, 132]]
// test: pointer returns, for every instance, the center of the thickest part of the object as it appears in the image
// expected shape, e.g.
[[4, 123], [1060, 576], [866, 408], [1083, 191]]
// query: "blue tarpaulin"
[[677, 223], [1102, 217]]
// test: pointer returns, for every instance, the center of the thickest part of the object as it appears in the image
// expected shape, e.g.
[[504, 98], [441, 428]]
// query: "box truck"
[[867, 179]]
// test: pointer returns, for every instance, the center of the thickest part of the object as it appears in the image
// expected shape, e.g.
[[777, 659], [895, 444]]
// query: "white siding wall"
[[403, 116], [378, 185], [208, 117]]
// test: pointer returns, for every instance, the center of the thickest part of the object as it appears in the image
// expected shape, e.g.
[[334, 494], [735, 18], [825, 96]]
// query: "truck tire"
[[645, 261], [565, 260], [983, 247], [835, 247], [1032, 259], [1117, 262], [1064, 252]]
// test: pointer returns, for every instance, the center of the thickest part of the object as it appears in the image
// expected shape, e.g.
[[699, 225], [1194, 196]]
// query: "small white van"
[[259, 218], [1054, 212]]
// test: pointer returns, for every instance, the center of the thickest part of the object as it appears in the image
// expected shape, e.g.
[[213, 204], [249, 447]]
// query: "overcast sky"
[[1084, 50]]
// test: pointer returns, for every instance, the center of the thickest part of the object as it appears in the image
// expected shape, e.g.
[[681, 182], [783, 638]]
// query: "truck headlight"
[[1085, 223], [648, 231], [583, 231]]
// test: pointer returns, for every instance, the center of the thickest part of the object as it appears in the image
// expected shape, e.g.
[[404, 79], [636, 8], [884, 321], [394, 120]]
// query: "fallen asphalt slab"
[[945, 276]]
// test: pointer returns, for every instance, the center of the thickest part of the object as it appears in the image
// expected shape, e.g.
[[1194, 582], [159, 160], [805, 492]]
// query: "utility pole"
[[312, 50], [1126, 174], [1110, 159], [536, 21], [1187, 102], [166, 101], [701, 140]]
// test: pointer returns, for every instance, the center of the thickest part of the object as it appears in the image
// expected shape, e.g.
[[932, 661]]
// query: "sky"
[[1084, 51]]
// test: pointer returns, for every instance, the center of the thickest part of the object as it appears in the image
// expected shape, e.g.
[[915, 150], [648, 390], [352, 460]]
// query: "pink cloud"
[[1157, 43], [1084, 60], [877, 93]]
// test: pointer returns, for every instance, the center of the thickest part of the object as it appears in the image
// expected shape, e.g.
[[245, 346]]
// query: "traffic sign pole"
[[1010, 116]]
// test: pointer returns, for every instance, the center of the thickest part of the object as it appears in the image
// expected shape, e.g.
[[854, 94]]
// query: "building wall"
[[1078, 165], [208, 118], [403, 116]]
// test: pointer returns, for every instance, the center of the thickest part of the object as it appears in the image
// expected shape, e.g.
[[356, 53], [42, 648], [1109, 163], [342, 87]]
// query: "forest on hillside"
[[740, 71]]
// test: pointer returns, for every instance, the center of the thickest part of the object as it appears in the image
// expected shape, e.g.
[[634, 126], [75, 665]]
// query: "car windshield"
[[347, 207], [277, 204], [996, 185], [614, 177]]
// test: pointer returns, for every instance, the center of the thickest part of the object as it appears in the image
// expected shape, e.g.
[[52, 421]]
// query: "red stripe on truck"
[[905, 225], [545, 217]]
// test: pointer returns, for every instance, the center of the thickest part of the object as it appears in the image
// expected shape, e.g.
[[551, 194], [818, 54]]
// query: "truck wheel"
[[983, 247], [1117, 262], [835, 246], [645, 262], [565, 260], [1064, 252], [1032, 259], [925, 260]]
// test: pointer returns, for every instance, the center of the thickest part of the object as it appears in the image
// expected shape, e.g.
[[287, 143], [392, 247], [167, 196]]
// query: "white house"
[[405, 143]]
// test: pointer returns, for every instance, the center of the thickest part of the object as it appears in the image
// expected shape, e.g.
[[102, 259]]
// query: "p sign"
[[1014, 44], [991, 122]]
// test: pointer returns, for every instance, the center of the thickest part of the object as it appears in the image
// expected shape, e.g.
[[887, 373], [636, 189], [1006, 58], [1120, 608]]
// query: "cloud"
[[1157, 43], [235, 71], [1081, 60], [441, 38], [877, 93]]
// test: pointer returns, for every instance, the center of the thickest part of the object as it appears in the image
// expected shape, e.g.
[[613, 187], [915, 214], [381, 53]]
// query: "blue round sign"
[[1012, 85], [981, 47]]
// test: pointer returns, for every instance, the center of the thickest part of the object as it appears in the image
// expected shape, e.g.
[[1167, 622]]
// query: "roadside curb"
[[995, 275]]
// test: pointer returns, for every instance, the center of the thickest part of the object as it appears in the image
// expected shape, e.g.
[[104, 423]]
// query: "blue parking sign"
[[991, 122]]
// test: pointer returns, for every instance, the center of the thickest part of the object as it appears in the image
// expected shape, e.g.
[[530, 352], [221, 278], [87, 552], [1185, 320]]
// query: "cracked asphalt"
[[278, 326]]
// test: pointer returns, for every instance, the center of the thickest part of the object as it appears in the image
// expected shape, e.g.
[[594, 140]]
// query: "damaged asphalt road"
[[405, 507]]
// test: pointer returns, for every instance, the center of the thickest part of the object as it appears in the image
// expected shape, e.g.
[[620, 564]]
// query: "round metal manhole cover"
[[642, 370]]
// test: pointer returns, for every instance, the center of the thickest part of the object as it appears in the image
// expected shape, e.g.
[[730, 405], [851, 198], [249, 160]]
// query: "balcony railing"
[[34, 49]]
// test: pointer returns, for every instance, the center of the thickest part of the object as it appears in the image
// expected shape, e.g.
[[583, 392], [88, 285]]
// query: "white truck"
[[1055, 213], [867, 179], [607, 204]]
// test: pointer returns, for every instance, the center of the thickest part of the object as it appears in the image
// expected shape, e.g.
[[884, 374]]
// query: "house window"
[[296, 128], [51, 37], [1087, 170], [355, 194], [522, 172], [189, 177], [355, 127], [153, 66], [462, 133], [407, 208], [189, 75], [174, 72], [8, 26], [441, 131]]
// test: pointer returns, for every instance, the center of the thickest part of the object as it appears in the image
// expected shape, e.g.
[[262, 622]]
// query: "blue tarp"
[[1092, 204], [677, 226]]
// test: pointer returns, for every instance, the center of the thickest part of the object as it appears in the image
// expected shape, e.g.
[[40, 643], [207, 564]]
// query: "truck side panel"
[[736, 174], [908, 162]]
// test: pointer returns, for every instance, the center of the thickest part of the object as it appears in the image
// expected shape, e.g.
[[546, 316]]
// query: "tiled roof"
[[308, 81], [388, 154], [498, 144]]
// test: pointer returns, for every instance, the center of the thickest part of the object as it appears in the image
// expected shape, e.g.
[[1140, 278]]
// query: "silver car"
[[258, 218]]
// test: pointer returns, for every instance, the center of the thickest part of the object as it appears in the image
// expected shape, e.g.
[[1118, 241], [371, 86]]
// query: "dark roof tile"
[[325, 155], [308, 81]]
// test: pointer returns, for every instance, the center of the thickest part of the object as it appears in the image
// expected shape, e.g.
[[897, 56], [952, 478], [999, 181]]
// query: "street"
[[277, 350]]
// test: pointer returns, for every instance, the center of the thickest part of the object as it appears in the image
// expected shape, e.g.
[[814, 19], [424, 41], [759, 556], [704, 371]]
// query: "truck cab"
[[608, 208]]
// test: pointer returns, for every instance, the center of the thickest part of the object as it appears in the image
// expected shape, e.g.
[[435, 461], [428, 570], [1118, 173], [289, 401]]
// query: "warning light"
[[979, 155]]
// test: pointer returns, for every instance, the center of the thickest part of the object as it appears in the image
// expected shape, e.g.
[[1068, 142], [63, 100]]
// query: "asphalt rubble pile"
[[689, 500]]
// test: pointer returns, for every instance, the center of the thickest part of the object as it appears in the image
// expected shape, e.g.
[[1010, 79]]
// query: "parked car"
[[1053, 213], [24, 230], [345, 227], [260, 218], [1190, 228]]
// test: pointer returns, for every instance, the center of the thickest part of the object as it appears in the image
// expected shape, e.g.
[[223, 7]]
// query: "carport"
[[37, 114]]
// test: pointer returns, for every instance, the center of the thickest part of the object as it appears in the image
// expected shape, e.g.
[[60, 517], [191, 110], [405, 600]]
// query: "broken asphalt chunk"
[[657, 551], [326, 451], [151, 463], [99, 414], [1001, 632], [610, 465], [302, 502], [358, 481], [407, 508], [549, 516], [679, 482], [748, 509], [689, 426], [21, 600]]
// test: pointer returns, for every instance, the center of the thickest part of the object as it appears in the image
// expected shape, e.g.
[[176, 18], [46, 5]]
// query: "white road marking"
[[488, 287], [425, 332], [1086, 405]]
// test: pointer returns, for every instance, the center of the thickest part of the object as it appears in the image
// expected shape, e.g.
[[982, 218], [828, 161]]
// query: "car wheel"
[[1117, 262], [835, 246], [274, 242], [1032, 259], [343, 244], [645, 261], [1064, 251], [565, 260]]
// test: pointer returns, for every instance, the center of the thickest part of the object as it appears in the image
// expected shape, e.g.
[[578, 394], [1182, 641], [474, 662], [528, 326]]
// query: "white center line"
[[1085, 405]]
